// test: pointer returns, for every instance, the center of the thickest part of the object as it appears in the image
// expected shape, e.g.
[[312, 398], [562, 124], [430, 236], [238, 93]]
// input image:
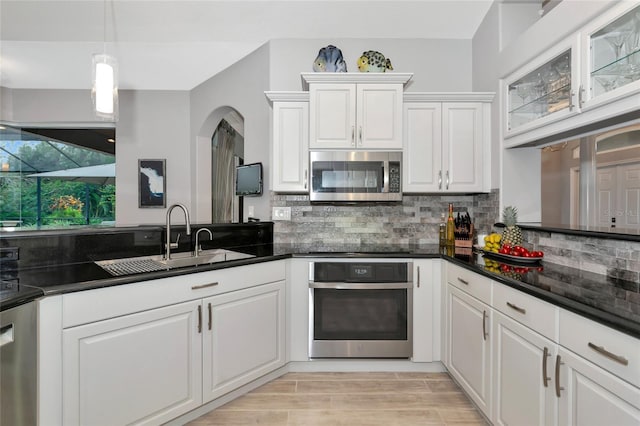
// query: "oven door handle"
[[360, 286]]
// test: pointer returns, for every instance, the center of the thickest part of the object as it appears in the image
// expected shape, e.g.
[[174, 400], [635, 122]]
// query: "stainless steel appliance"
[[360, 309], [18, 365], [356, 176]]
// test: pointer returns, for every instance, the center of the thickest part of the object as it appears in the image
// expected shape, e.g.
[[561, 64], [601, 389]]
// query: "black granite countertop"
[[610, 301]]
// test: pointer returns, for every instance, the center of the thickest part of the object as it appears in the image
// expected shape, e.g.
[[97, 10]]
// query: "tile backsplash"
[[413, 221]]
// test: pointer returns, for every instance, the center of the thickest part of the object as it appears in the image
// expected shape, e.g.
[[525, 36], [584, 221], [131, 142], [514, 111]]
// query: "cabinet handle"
[[580, 96], [440, 179], [210, 316], [545, 355], [198, 287], [353, 135], [418, 277], [199, 318], [558, 387], [465, 282], [571, 105], [447, 188], [484, 325], [360, 135], [516, 308], [306, 178], [602, 351]]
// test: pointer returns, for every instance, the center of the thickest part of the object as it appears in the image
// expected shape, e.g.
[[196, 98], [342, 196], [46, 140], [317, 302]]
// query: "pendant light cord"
[[104, 26]]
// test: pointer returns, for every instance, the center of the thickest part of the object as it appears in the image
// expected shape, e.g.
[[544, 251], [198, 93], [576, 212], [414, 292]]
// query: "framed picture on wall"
[[152, 183]]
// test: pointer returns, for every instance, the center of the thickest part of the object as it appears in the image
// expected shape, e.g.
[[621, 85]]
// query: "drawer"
[[470, 282], [610, 349], [534, 313]]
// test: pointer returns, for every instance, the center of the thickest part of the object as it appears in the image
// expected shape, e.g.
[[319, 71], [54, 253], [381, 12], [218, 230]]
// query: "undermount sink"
[[136, 265]]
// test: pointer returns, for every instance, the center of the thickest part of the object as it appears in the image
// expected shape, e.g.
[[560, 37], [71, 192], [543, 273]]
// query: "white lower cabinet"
[[426, 310], [152, 366], [143, 368], [243, 337], [469, 346], [523, 387], [589, 395]]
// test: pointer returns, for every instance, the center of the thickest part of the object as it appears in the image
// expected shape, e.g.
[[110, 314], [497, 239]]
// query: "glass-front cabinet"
[[612, 62], [544, 91], [592, 75]]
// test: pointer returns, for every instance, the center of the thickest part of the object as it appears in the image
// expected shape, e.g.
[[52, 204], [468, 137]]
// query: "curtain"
[[223, 168]]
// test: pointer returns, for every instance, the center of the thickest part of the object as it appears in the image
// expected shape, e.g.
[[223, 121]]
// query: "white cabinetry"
[[149, 352], [523, 368], [355, 111], [468, 340], [446, 142], [143, 368], [588, 77], [545, 365], [243, 337], [290, 141], [426, 310]]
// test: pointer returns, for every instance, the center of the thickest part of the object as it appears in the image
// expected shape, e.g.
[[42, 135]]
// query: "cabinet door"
[[143, 368], [523, 385], [243, 337], [379, 116], [290, 146], [426, 310], [469, 349], [332, 115], [462, 146], [591, 396], [422, 156]]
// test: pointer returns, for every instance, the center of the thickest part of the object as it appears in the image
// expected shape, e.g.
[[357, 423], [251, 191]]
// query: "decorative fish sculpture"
[[373, 61], [330, 60]]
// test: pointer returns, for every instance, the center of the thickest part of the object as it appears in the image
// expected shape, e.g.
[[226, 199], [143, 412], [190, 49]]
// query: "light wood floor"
[[331, 399]]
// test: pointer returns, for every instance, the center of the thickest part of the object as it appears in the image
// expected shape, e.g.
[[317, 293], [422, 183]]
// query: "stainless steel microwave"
[[356, 176]]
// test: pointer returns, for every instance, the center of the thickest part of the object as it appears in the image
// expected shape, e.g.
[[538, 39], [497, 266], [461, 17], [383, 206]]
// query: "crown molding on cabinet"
[[448, 96], [277, 96], [355, 77]]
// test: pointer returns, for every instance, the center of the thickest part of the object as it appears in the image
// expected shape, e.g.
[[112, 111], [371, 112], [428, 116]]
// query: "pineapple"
[[512, 234]]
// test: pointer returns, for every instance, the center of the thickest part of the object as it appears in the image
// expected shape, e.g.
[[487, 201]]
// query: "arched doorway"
[[227, 152]]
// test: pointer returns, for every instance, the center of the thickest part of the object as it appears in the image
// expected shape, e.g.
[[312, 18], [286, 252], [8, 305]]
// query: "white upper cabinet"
[[544, 91], [446, 142], [591, 76], [290, 141], [611, 60], [355, 111]]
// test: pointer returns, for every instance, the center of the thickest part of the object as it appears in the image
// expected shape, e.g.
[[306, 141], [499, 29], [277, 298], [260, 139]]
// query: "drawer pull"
[[601, 350], [558, 364], [517, 308], [198, 287], [465, 282], [545, 355], [484, 325], [418, 276], [199, 318]]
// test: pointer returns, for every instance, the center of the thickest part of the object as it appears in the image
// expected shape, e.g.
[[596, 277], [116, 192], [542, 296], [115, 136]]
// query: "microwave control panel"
[[394, 176]]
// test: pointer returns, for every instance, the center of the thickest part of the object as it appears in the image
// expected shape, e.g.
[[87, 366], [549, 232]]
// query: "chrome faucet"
[[169, 244], [197, 248]]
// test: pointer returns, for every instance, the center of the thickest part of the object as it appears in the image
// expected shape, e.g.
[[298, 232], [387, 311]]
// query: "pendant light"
[[104, 92]]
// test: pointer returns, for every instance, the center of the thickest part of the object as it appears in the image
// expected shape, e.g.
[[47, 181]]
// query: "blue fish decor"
[[373, 61], [329, 60]]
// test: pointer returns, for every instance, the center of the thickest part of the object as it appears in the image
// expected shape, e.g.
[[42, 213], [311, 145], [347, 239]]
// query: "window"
[[52, 183]]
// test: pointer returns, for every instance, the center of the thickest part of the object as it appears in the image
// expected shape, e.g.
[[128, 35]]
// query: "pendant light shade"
[[104, 92]]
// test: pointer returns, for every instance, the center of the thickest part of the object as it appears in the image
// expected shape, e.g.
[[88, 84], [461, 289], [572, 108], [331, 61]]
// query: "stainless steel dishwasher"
[[18, 365]]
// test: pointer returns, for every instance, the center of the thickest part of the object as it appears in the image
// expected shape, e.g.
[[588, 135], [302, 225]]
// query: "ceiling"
[[178, 44]]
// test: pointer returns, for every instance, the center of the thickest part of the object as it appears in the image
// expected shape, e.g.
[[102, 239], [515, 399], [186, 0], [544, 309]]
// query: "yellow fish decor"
[[373, 61], [329, 59]]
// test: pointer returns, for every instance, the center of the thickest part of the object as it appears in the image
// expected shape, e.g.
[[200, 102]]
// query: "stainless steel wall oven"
[[360, 309]]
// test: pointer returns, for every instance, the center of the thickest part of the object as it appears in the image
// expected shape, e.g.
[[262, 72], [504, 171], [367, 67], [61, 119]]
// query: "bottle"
[[442, 231], [451, 228]]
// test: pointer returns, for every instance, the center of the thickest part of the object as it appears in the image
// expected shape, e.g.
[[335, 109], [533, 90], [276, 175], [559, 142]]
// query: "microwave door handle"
[[385, 177]]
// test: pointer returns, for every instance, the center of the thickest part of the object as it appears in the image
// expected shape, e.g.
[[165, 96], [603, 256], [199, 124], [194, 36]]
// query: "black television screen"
[[249, 179]]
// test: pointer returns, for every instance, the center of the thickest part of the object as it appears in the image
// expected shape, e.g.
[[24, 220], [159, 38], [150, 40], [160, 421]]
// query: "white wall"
[[45, 106], [242, 88], [437, 65], [152, 125]]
